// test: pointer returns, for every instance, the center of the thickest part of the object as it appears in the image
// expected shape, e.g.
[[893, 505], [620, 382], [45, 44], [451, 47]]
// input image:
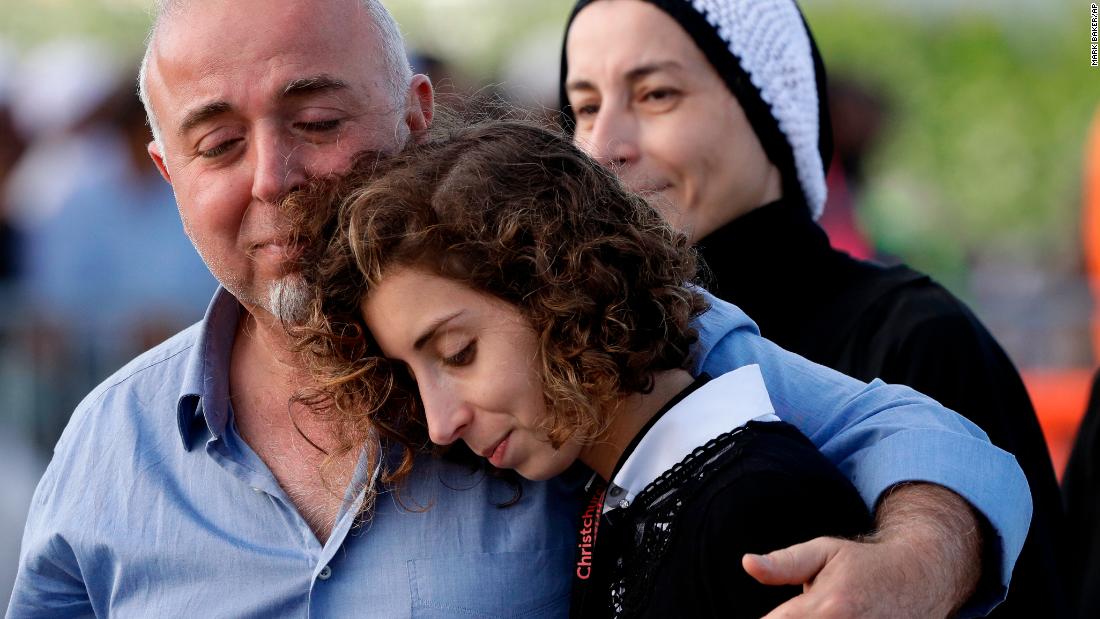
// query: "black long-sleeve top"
[[893, 323]]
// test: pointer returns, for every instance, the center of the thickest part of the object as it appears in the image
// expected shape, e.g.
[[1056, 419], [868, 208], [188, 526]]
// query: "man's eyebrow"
[[294, 88], [313, 84], [432, 329], [632, 75], [202, 114]]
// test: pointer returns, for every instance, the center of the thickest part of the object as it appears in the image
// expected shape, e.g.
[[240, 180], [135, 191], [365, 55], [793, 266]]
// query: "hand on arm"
[[924, 560], [882, 435]]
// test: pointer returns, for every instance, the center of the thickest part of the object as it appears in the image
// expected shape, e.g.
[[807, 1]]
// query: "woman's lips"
[[496, 458]]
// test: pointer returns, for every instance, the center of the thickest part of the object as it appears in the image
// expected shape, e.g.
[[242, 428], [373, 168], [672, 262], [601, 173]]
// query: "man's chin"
[[289, 299]]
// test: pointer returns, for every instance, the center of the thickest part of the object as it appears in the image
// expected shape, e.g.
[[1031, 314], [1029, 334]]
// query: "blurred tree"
[[991, 111]]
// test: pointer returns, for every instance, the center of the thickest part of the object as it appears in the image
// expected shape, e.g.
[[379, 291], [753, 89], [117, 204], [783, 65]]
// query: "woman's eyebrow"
[[433, 328], [645, 70], [633, 75]]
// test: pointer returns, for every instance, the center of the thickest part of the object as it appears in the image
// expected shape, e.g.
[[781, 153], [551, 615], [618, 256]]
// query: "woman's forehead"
[[619, 36]]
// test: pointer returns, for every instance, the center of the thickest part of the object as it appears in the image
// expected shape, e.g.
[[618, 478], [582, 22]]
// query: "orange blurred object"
[[1059, 397]]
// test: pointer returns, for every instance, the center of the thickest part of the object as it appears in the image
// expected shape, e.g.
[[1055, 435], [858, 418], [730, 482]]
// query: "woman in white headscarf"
[[716, 111]]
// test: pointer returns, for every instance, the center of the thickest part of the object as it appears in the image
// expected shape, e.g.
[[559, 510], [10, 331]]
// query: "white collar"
[[721, 405]]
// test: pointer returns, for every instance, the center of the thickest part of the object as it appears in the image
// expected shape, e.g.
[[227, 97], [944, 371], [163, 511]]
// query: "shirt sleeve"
[[880, 435], [48, 582], [951, 357]]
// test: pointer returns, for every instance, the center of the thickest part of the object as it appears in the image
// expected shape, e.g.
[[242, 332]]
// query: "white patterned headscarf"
[[765, 53]]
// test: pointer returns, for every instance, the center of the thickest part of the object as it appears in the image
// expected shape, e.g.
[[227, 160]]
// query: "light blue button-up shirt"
[[154, 506]]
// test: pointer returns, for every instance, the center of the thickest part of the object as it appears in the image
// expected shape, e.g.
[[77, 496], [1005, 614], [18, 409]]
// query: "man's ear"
[[158, 160], [420, 107]]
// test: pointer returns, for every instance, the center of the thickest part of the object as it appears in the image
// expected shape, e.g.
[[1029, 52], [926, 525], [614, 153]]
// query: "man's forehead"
[[221, 34], [200, 55], [192, 13]]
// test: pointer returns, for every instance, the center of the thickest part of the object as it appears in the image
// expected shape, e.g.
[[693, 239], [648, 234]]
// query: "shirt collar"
[[204, 396], [719, 406]]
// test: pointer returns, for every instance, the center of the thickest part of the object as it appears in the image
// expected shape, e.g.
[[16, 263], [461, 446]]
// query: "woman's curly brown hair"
[[516, 212]]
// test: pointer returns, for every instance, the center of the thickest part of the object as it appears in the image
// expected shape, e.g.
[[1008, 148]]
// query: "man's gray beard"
[[288, 299]]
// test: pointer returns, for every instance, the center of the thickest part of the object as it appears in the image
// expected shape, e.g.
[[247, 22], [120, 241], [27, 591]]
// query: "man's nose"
[[278, 167], [613, 141], [448, 416]]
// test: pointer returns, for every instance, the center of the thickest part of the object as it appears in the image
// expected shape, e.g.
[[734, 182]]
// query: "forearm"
[[942, 534], [883, 435]]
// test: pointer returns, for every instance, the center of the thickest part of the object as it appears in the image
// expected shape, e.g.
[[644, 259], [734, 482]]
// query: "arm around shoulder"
[[882, 435]]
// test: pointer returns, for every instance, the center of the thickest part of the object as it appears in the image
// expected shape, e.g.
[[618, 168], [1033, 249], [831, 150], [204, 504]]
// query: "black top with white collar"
[[675, 549]]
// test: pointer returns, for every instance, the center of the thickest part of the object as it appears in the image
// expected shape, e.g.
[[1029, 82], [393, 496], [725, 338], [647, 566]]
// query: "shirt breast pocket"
[[493, 585]]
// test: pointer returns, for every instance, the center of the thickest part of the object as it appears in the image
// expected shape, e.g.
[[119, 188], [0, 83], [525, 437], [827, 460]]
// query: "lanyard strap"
[[584, 565]]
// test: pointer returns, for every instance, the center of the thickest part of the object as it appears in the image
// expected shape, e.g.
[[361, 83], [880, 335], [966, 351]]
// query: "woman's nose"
[[447, 414], [613, 140]]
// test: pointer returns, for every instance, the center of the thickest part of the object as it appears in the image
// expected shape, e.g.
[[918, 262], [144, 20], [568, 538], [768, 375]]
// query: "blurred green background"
[[989, 106]]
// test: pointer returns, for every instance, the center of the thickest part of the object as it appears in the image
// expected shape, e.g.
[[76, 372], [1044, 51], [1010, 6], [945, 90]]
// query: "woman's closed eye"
[[660, 98], [464, 356], [586, 110]]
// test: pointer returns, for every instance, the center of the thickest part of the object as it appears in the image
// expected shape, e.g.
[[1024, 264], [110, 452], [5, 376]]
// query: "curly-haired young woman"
[[519, 300]]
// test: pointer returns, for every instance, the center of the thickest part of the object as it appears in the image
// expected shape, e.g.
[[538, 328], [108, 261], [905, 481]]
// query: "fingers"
[[795, 565]]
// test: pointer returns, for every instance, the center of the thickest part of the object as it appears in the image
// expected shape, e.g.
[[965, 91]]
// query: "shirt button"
[[257, 490], [624, 504], [325, 573], [615, 491]]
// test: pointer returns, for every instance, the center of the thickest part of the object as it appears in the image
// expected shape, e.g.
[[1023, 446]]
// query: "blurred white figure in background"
[[54, 91], [105, 268]]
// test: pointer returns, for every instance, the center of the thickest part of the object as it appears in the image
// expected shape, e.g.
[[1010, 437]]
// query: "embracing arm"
[[881, 436]]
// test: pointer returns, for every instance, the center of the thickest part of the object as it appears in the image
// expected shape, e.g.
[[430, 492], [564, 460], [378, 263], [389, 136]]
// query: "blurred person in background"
[[186, 484], [56, 88], [107, 269], [717, 110], [12, 146], [1081, 480], [20, 465], [857, 114], [114, 252]]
